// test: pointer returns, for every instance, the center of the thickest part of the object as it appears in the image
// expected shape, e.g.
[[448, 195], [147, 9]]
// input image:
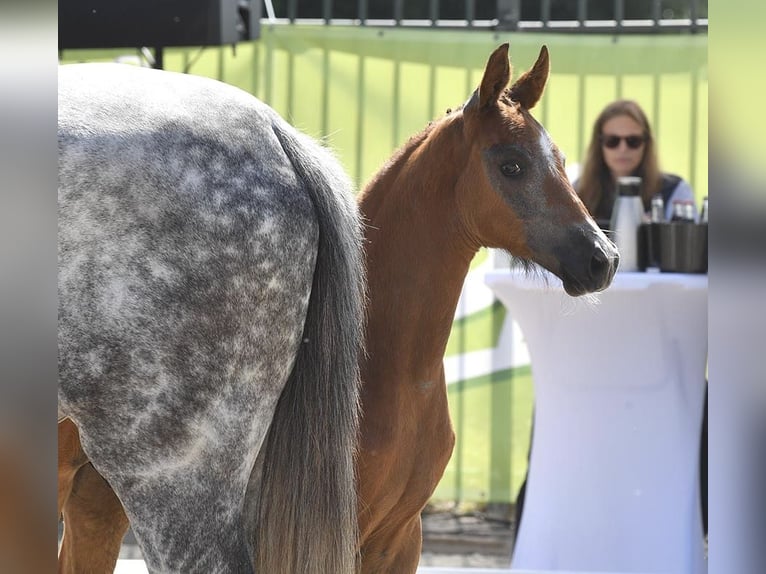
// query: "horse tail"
[[307, 502]]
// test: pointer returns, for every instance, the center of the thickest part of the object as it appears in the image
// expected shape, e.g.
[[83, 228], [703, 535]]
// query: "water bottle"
[[627, 214], [683, 211], [703, 211]]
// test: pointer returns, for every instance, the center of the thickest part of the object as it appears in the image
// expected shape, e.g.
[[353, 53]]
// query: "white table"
[[619, 388]]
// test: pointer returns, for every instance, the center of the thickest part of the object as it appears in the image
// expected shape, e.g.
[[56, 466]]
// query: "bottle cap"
[[628, 185]]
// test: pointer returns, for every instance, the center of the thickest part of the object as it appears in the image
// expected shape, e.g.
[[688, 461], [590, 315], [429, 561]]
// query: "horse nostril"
[[599, 264]]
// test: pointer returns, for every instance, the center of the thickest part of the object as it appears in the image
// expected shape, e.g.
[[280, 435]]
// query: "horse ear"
[[497, 74], [530, 85]]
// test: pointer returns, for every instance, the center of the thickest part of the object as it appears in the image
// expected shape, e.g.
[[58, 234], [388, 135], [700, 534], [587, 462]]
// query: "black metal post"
[[508, 14]]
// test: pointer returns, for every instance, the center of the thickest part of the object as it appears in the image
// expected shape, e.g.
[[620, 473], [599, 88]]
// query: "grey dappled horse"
[[210, 313]]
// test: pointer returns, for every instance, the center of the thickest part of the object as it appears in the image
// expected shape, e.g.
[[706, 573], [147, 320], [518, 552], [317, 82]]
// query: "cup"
[[649, 245], [683, 247]]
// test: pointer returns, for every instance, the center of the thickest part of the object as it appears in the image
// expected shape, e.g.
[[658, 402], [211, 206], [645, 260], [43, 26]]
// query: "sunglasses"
[[611, 142]]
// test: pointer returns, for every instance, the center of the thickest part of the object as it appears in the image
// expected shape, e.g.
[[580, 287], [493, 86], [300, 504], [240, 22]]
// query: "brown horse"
[[94, 520], [484, 175]]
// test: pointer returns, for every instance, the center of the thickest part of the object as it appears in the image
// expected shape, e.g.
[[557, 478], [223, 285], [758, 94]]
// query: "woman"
[[622, 144]]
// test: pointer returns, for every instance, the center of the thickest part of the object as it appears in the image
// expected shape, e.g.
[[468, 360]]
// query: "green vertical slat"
[[501, 432], [360, 121], [693, 127], [325, 91], [619, 81], [396, 103], [290, 115], [459, 424], [268, 69], [655, 103], [544, 111], [431, 91], [256, 68], [581, 129]]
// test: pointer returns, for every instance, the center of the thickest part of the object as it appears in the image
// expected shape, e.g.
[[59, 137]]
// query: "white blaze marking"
[[546, 148]]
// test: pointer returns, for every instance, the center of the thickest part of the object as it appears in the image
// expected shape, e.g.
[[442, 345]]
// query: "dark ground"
[[473, 539]]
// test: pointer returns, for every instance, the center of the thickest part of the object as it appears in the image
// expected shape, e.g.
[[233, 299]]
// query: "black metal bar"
[[470, 11], [619, 12], [159, 60], [433, 11], [693, 13], [398, 11], [509, 17], [582, 11], [508, 14], [545, 12], [362, 11]]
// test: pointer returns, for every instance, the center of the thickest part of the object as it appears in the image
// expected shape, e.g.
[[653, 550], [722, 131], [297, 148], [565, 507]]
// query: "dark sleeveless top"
[[603, 211]]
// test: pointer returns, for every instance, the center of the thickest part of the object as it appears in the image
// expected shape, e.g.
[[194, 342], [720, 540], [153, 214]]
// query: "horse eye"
[[510, 169]]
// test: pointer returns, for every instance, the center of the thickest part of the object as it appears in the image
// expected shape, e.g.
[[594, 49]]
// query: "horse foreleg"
[[395, 550], [94, 525]]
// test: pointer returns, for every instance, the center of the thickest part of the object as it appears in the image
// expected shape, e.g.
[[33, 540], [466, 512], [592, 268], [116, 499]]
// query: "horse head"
[[515, 194]]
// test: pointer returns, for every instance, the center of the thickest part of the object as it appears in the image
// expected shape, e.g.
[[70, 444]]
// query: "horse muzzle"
[[588, 264]]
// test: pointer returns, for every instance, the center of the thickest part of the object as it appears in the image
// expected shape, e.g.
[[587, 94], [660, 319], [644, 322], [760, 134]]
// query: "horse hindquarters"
[[186, 253]]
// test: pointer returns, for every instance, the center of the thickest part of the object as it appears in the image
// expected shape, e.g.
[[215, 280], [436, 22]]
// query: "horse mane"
[[401, 155], [383, 180]]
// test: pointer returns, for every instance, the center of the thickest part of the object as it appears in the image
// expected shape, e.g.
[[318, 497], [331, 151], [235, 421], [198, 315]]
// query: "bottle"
[[703, 210], [627, 214], [683, 211], [689, 212], [651, 234]]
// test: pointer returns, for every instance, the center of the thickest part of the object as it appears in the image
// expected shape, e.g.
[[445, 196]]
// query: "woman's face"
[[622, 143]]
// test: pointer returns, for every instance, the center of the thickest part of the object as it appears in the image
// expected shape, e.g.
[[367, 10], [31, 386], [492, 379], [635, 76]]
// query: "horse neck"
[[417, 257]]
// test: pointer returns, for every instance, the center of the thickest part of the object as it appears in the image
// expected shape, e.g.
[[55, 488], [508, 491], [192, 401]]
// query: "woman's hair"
[[595, 183]]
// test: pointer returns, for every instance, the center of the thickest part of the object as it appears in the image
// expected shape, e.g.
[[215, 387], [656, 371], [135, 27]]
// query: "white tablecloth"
[[619, 388]]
